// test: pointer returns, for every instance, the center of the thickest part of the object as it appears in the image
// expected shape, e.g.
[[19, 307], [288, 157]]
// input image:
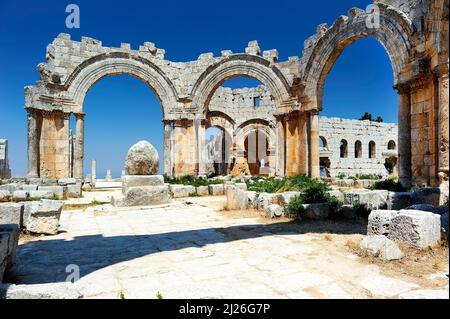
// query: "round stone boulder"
[[142, 159]]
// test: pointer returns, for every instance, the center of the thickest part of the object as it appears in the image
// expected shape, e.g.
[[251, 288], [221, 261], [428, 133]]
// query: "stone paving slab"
[[195, 251]]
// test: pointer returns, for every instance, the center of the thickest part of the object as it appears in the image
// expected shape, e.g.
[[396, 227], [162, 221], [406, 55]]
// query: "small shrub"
[[121, 295], [159, 295], [341, 176], [389, 185], [317, 193], [296, 207], [369, 176]]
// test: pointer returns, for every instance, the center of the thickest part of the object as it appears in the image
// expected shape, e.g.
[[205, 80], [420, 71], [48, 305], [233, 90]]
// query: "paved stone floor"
[[192, 250]]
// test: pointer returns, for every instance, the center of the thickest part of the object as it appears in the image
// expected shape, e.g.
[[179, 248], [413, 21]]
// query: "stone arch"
[[392, 145], [358, 149], [394, 33], [236, 65], [324, 141], [343, 149], [94, 69], [372, 150]]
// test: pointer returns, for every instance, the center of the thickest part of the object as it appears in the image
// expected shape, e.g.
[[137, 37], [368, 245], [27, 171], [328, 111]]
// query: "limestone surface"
[[42, 217], [142, 159], [416, 228], [382, 247]]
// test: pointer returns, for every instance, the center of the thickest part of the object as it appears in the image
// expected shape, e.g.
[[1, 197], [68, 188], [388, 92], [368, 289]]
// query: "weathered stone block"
[[379, 222], [382, 247], [129, 181], [41, 195], [264, 200], [58, 290], [202, 190], [144, 196], [5, 196], [13, 232], [217, 190], [180, 191], [29, 188], [317, 211], [252, 199], [348, 212], [43, 217], [19, 196], [11, 213], [10, 187], [58, 191], [427, 196], [74, 190], [4, 241], [236, 198], [416, 228], [66, 181], [399, 200], [274, 211]]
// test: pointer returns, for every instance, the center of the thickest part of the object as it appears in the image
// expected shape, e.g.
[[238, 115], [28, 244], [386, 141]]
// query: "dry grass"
[[417, 264]]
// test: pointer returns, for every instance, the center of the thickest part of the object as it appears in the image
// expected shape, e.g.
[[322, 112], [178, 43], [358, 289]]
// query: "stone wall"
[[335, 130], [5, 171]]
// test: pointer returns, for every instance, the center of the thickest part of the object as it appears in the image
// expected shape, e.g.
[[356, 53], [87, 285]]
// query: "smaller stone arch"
[[236, 65], [358, 149], [372, 150], [392, 145], [343, 148], [323, 143]]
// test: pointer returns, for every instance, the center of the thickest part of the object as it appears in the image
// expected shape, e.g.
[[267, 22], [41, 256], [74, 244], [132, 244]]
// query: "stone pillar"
[[201, 147], [168, 170], [404, 135], [443, 123], [94, 170], [33, 144], [280, 164], [78, 152], [314, 151]]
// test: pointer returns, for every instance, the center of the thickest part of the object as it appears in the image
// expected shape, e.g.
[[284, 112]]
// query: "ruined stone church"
[[282, 116]]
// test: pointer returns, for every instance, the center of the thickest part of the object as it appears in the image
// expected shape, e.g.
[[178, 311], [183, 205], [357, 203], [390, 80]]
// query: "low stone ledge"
[[11, 213], [143, 196], [181, 191], [9, 239], [43, 291], [217, 189], [129, 181]]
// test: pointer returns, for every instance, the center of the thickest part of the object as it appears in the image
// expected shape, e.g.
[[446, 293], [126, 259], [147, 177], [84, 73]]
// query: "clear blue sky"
[[121, 110]]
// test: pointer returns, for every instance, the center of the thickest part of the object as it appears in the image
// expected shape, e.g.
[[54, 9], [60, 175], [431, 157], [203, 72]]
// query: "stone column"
[[78, 151], [404, 135], [443, 123], [314, 151], [94, 170], [168, 148], [201, 147], [280, 167], [33, 144]]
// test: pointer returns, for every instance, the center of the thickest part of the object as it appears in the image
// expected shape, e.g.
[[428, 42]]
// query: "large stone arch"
[[394, 33], [94, 69], [246, 65], [254, 127]]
